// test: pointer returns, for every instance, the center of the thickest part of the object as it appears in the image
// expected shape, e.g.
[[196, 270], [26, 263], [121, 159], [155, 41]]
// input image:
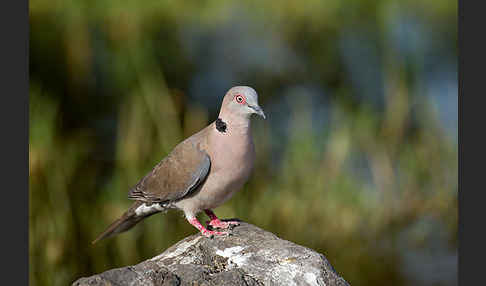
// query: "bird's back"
[[176, 175]]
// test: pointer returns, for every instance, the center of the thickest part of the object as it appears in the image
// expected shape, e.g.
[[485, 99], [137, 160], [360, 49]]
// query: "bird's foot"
[[216, 223], [204, 231]]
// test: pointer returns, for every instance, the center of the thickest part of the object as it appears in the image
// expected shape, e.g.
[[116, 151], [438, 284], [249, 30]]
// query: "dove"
[[200, 173]]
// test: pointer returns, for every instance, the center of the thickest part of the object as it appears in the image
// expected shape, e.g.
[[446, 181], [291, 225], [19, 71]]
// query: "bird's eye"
[[240, 99]]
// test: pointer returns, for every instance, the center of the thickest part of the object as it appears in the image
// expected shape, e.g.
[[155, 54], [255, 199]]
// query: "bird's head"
[[241, 101]]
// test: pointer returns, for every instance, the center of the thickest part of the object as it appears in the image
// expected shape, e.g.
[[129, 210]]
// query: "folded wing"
[[177, 176]]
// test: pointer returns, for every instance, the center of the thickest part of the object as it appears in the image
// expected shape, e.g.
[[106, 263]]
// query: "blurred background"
[[358, 157]]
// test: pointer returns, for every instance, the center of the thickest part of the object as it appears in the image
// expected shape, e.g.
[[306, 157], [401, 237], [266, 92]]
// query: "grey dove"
[[200, 173]]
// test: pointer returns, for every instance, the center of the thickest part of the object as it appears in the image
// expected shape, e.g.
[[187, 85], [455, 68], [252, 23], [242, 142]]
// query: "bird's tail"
[[128, 220]]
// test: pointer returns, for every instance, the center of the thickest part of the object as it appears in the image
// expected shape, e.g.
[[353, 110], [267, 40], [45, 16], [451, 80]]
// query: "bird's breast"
[[233, 160], [231, 166]]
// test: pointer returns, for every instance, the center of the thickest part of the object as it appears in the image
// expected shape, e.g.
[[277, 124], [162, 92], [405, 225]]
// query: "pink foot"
[[211, 233], [203, 230], [216, 223]]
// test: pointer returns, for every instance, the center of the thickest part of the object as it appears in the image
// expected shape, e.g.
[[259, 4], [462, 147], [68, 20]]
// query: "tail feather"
[[128, 220]]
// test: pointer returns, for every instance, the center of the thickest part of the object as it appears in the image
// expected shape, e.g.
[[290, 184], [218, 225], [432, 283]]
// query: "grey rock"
[[249, 256]]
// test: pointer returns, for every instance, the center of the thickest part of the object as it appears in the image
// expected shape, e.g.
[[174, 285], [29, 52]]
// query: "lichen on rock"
[[250, 256]]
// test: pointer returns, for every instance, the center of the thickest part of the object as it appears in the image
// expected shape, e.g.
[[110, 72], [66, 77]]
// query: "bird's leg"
[[216, 223], [202, 229]]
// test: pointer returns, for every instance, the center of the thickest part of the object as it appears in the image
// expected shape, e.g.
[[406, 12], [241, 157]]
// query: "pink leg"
[[202, 229], [216, 223]]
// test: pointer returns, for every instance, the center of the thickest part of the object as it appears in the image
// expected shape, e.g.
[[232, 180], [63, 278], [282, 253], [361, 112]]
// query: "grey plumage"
[[200, 173]]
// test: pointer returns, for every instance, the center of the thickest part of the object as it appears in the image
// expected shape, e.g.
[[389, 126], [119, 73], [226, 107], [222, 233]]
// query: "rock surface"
[[250, 256]]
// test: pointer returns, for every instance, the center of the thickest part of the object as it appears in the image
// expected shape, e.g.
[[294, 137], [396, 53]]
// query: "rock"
[[250, 256]]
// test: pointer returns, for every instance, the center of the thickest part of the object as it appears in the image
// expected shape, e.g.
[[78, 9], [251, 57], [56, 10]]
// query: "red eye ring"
[[240, 99]]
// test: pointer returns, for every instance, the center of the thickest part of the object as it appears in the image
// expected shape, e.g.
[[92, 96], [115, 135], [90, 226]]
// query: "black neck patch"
[[220, 125]]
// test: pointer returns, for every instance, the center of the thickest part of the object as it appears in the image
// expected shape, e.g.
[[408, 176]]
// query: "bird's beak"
[[258, 110]]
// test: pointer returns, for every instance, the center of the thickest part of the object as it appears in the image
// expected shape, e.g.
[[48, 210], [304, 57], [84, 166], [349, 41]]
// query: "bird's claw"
[[214, 224], [212, 234]]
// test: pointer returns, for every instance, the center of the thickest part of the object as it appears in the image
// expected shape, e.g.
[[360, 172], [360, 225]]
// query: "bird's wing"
[[175, 177]]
